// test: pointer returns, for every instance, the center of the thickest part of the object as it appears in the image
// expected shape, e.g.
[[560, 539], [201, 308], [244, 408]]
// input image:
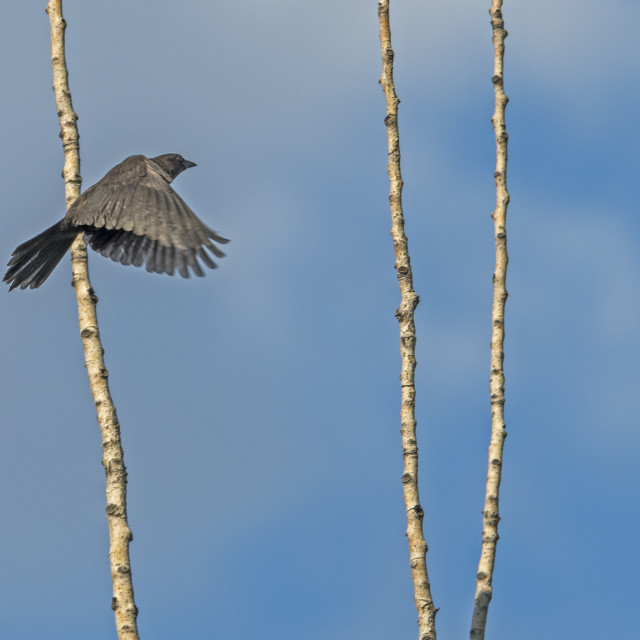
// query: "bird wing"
[[133, 216]]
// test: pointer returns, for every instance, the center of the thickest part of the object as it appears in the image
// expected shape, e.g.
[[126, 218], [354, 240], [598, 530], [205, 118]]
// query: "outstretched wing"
[[133, 216]]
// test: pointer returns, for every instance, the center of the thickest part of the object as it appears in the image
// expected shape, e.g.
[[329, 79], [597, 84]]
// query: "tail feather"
[[34, 260]]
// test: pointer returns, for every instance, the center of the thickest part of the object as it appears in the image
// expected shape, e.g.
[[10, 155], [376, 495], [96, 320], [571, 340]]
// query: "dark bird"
[[132, 216]]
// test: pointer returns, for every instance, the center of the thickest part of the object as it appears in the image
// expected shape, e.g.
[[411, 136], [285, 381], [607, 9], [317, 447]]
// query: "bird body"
[[132, 216]]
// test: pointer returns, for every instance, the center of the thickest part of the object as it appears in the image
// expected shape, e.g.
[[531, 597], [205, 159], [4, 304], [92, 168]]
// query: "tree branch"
[[113, 459], [491, 513], [408, 303]]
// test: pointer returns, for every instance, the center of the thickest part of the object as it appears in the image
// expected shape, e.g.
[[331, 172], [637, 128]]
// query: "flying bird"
[[132, 216]]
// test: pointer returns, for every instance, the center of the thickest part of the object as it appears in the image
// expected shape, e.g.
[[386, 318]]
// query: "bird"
[[133, 216]]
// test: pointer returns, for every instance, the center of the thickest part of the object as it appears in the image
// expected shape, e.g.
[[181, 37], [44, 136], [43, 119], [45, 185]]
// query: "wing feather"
[[204, 256], [193, 263], [181, 263]]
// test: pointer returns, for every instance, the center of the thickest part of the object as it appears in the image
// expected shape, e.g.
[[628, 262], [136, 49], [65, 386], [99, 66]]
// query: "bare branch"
[[113, 458], [491, 513], [408, 303]]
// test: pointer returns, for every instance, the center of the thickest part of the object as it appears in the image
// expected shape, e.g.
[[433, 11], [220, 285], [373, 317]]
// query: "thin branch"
[[408, 303], [113, 458], [491, 512]]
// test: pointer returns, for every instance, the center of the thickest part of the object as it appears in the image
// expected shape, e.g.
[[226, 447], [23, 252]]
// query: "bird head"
[[173, 163]]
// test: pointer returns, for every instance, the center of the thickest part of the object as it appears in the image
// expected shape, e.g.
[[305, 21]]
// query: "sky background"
[[260, 406]]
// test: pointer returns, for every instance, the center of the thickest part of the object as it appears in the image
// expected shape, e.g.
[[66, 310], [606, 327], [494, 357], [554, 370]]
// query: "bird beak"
[[188, 164]]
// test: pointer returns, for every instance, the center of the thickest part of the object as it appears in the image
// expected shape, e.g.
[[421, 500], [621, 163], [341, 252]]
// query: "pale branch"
[[405, 315], [491, 512], [113, 456]]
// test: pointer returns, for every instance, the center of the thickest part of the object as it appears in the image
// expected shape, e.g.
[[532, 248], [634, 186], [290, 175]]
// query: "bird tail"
[[34, 260]]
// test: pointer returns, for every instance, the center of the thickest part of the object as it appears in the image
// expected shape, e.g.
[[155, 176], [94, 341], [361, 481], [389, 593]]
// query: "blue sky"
[[259, 406]]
